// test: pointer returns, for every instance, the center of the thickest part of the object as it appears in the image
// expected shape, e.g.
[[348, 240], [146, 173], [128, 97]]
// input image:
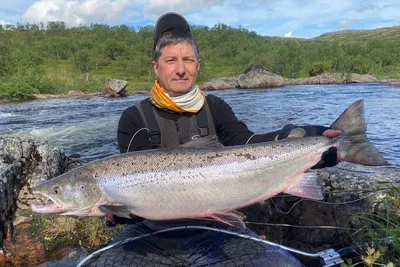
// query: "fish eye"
[[56, 190]]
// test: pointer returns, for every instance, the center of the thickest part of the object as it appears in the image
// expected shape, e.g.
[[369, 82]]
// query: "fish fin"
[[356, 147], [203, 142], [228, 218], [307, 186], [116, 209], [297, 133]]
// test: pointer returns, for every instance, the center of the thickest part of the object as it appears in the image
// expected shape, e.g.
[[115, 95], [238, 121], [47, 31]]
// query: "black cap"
[[169, 21]]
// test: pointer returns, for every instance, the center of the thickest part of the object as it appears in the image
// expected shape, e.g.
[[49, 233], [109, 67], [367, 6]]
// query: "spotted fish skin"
[[192, 182]]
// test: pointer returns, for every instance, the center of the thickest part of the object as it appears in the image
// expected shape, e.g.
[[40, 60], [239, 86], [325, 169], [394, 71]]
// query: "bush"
[[318, 68], [17, 89]]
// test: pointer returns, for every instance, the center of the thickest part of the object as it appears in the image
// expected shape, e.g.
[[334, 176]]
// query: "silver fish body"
[[204, 182]]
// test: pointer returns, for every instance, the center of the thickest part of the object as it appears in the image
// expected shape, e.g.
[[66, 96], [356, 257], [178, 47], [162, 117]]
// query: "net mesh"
[[190, 247]]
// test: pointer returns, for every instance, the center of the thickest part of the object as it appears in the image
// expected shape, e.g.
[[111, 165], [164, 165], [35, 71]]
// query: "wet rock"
[[114, 88], [350, 190], [24, 162]]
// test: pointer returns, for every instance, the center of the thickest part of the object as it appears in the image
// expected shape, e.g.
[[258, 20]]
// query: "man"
[[176, 112]]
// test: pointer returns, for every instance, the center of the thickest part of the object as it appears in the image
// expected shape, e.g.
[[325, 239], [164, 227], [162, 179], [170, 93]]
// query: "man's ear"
[[198, 65], [155, 67]]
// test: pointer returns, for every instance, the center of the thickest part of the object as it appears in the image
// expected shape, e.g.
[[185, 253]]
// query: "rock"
[[333, 78], [254, 77], [350, 191], [220, 84], [76, 93], [114, 88], [257, 77], [362, 78], [397, 83], [24, 162]]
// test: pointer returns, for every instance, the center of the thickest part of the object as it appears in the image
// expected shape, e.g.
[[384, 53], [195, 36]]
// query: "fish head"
[[72, 193]]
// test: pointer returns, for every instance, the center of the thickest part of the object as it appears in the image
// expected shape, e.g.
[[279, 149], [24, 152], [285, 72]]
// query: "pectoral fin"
[[117, 209], [306, 185], [228, 218]]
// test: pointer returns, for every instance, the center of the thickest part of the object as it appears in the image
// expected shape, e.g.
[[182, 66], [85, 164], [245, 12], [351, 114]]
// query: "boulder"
[[333, 78], [362, 78], [257, 77], [351, 191], [220, 84], [24, 161], [114, 88]]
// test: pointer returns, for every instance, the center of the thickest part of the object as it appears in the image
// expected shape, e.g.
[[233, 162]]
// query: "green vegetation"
[[59, 232], [377, 228], [57, 59]]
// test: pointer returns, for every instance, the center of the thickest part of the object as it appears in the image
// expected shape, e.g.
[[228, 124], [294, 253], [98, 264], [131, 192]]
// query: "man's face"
[[177, 68]]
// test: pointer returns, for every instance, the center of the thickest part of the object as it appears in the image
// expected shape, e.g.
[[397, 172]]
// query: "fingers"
[[331, 133]]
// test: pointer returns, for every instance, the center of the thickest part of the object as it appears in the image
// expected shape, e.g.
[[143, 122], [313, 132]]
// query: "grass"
[[58, 232], [380, 227]]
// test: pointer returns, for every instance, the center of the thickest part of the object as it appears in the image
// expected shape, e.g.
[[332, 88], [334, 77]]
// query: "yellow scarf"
[[192, 102]]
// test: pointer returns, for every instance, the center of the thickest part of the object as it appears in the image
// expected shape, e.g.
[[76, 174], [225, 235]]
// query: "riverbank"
[[255, 77]]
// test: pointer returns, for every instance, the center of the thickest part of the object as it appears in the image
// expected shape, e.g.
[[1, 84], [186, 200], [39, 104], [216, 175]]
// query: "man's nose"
[[180, 68]]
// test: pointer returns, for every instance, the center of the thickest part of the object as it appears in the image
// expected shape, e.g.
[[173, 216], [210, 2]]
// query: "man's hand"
[[331, 133], [330, 157]]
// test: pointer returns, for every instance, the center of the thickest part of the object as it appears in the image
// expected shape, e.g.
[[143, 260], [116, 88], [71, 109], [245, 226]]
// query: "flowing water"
[[87, 126]]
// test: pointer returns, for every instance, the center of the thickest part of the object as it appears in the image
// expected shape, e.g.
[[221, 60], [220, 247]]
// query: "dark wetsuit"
[[193, 247]]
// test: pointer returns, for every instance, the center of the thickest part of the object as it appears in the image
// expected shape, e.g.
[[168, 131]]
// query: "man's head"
[[176, 60]]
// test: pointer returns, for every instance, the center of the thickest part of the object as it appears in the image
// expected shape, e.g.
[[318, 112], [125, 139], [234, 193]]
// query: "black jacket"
[[229, 129]]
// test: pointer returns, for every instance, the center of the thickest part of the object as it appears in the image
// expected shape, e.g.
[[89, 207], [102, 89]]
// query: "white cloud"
[[75, 12], [266, 17], [155, 8], [345, 23], [289, 34], [3, 22]]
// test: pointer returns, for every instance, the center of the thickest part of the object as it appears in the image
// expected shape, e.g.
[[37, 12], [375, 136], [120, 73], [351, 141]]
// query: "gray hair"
[[174, 37]]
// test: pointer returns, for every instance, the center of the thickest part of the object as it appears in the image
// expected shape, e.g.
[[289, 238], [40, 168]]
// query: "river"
[[87, 125]]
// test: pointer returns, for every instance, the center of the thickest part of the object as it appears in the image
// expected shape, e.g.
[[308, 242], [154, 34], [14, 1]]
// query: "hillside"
[[388, 34], [59, 59]]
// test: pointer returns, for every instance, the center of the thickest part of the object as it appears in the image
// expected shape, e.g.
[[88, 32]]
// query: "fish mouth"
[[55, 207]]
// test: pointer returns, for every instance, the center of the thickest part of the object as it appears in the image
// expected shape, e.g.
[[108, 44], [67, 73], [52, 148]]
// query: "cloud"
[[345, 23], [289, 34], [75, 12], [4, 23], [155, 8]]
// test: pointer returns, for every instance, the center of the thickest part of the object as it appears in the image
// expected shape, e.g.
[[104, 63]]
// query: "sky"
[[283, 18]]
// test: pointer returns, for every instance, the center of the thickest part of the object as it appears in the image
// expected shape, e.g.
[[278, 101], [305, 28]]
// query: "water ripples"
[[88, 125]]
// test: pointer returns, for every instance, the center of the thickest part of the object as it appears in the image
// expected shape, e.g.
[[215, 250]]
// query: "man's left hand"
[[330, 157]]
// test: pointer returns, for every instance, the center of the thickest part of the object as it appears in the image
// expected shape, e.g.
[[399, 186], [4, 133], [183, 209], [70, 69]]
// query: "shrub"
[[318, 68]]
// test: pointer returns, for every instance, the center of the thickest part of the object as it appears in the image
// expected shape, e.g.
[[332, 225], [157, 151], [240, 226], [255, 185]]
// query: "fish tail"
[[354, 145]]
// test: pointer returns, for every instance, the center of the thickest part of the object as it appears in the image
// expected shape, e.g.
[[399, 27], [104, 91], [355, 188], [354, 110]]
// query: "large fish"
[[191, 182]]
